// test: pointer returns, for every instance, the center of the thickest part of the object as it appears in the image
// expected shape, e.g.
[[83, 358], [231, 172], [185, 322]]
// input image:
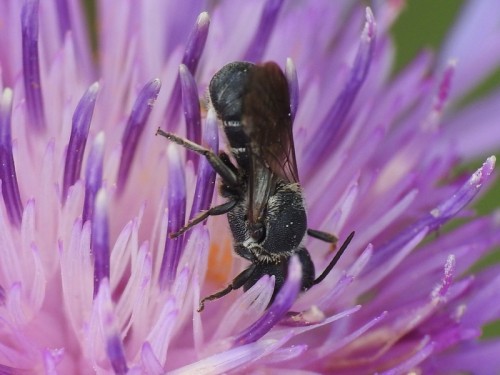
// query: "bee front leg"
[[237, 283]]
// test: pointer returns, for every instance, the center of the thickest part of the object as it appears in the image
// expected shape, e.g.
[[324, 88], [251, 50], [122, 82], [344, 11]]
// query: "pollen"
[[220, 261]]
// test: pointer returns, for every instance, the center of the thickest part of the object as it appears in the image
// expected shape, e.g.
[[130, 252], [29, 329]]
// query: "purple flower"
[[89, 279]]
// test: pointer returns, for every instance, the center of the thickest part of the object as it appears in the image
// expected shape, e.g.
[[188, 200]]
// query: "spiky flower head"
[[91, 282]]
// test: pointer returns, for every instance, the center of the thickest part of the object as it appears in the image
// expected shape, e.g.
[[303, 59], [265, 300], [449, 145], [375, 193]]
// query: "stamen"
[[10, 188], [282, 303], [78, 139], [334, 121], [206, 175], [445, 86], [293, 86], [194, 48], [176, 218], [191, 106], [440, 292], [93, 176], [100, 240], [264, 31], [135, 126], [31, 65]]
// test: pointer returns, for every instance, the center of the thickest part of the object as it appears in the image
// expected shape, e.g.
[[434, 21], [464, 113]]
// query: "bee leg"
[[324, 236], [237, 283], [334, 261], [227, 174], [221, 209]]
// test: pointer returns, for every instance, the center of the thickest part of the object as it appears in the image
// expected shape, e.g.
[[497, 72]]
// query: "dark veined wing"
[[267, 122]]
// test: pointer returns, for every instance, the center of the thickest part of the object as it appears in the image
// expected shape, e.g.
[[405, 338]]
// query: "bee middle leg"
[[227, 174], [221, 209]]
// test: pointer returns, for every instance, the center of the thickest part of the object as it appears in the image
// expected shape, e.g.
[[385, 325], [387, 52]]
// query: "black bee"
[[265, 205]]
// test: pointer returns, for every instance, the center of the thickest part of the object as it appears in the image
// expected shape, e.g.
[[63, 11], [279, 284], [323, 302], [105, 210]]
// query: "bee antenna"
[[334, 260]]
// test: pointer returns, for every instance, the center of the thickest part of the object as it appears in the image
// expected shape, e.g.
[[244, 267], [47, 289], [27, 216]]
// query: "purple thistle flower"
[[90, 281]]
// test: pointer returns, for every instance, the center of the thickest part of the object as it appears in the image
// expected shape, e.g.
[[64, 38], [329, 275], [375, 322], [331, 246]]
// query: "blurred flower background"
[[390, 145]]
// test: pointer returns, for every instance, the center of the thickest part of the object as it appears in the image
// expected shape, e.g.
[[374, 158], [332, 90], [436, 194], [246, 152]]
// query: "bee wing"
[[267, 123]]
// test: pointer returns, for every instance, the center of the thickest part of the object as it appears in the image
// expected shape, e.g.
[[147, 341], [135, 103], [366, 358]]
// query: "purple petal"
[[191, 58], [264, 31], [472, 142], [234, 358], [247, 307], [176, 217], [196, 42], [293, 86], [335, 343], [135, 126], [206, 175], [282, 303], [7, 370], [93, 176], [483, 305], [31, 65], [286, 354], [453, 335], [10, 188], [334, 121], [444, 87], [191, 106], [412, 362], [149, 360], [473, 42], [2, 296], [100, 240], [114, 350], [51, 359], [439, 215], [473, 358], [440, 292], [463, 196], [78, 139], [64, 17], [441, 98]]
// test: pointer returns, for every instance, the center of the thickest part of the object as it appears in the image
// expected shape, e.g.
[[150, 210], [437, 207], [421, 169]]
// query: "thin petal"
[[10, 188], [282, 303], [31, 65], [334, 121], [135, 126], [78, 139]]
